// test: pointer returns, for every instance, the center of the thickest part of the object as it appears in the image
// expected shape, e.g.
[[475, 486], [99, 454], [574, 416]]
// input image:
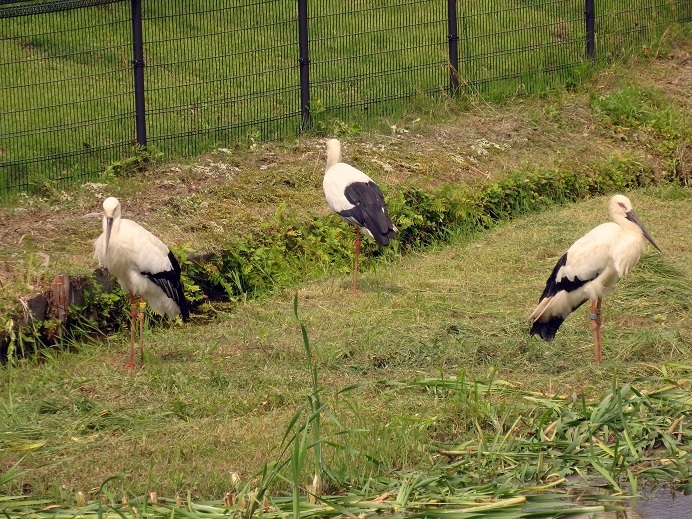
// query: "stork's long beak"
[[109, 226], [632, 217]]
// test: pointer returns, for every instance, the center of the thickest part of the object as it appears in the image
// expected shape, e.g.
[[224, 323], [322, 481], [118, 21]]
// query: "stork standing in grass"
[[144, 267], [589, 270], [354, 196]]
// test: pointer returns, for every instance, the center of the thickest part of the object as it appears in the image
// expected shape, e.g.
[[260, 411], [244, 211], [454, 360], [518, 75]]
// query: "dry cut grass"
[[217, 396]]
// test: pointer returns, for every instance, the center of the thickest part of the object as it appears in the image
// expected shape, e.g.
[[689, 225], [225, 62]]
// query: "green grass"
[[261, 210], [426, 387], [219, 75], [217, 397]]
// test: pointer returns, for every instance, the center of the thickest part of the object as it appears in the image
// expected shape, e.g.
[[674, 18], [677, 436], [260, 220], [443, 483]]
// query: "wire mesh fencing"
[[520, 49], [363, 56], [627, 22], [219, 71], [65, 92]]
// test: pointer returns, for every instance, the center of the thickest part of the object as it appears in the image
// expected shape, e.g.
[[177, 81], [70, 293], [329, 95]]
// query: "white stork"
[[589, 270], [143, 266], [354, 196]]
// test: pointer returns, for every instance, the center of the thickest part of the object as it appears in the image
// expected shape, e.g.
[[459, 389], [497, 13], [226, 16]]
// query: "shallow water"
[[662, 505]]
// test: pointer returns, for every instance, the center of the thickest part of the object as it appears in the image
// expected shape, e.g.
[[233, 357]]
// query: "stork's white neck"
[[628, 226], [333, 153], [623, 222]]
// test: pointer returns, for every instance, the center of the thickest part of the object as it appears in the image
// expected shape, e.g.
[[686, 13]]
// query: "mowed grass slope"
[[217, 395], [630, 117]]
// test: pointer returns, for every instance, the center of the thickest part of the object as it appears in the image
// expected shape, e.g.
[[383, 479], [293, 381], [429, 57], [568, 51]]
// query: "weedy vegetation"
[[423, 395]]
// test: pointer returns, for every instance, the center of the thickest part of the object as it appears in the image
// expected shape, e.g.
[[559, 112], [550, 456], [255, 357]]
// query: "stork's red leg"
[[595, 323], [133, 321], [142, 307], [355, 268]]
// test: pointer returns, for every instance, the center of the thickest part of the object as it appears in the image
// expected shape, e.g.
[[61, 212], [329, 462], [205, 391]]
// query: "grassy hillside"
[[217, 396], [433, 389], [629, 125]]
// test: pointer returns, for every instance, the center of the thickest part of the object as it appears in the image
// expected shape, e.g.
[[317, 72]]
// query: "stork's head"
[[111, 211], [111, 207], [620, 208]]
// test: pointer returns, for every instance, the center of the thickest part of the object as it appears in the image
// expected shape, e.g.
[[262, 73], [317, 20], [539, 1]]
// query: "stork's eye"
[[621, 205]]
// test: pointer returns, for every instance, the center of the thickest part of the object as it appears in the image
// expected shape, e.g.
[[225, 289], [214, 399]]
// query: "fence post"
[[138, 72], [304, 61], [590, 19], [453, 39]]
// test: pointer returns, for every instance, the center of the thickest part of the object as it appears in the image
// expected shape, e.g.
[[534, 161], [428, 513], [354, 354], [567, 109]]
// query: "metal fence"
[[82, 82]]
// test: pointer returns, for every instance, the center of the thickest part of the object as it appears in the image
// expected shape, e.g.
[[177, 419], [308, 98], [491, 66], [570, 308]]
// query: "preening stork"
[[589, 270], [144, 267], [354, 196]]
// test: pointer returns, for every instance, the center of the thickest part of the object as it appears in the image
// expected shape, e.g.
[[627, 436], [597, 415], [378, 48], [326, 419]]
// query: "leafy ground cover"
[[395, 369], [421, 396], [630, 125]]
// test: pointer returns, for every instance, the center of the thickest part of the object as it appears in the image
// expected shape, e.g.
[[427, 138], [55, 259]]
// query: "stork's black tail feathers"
[[184, 305], [171, 283], [369, 210], [547, 330], [383, 231], [391, 235]]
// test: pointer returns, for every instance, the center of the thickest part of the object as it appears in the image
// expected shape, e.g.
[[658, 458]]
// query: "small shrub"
[[141, 159]]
